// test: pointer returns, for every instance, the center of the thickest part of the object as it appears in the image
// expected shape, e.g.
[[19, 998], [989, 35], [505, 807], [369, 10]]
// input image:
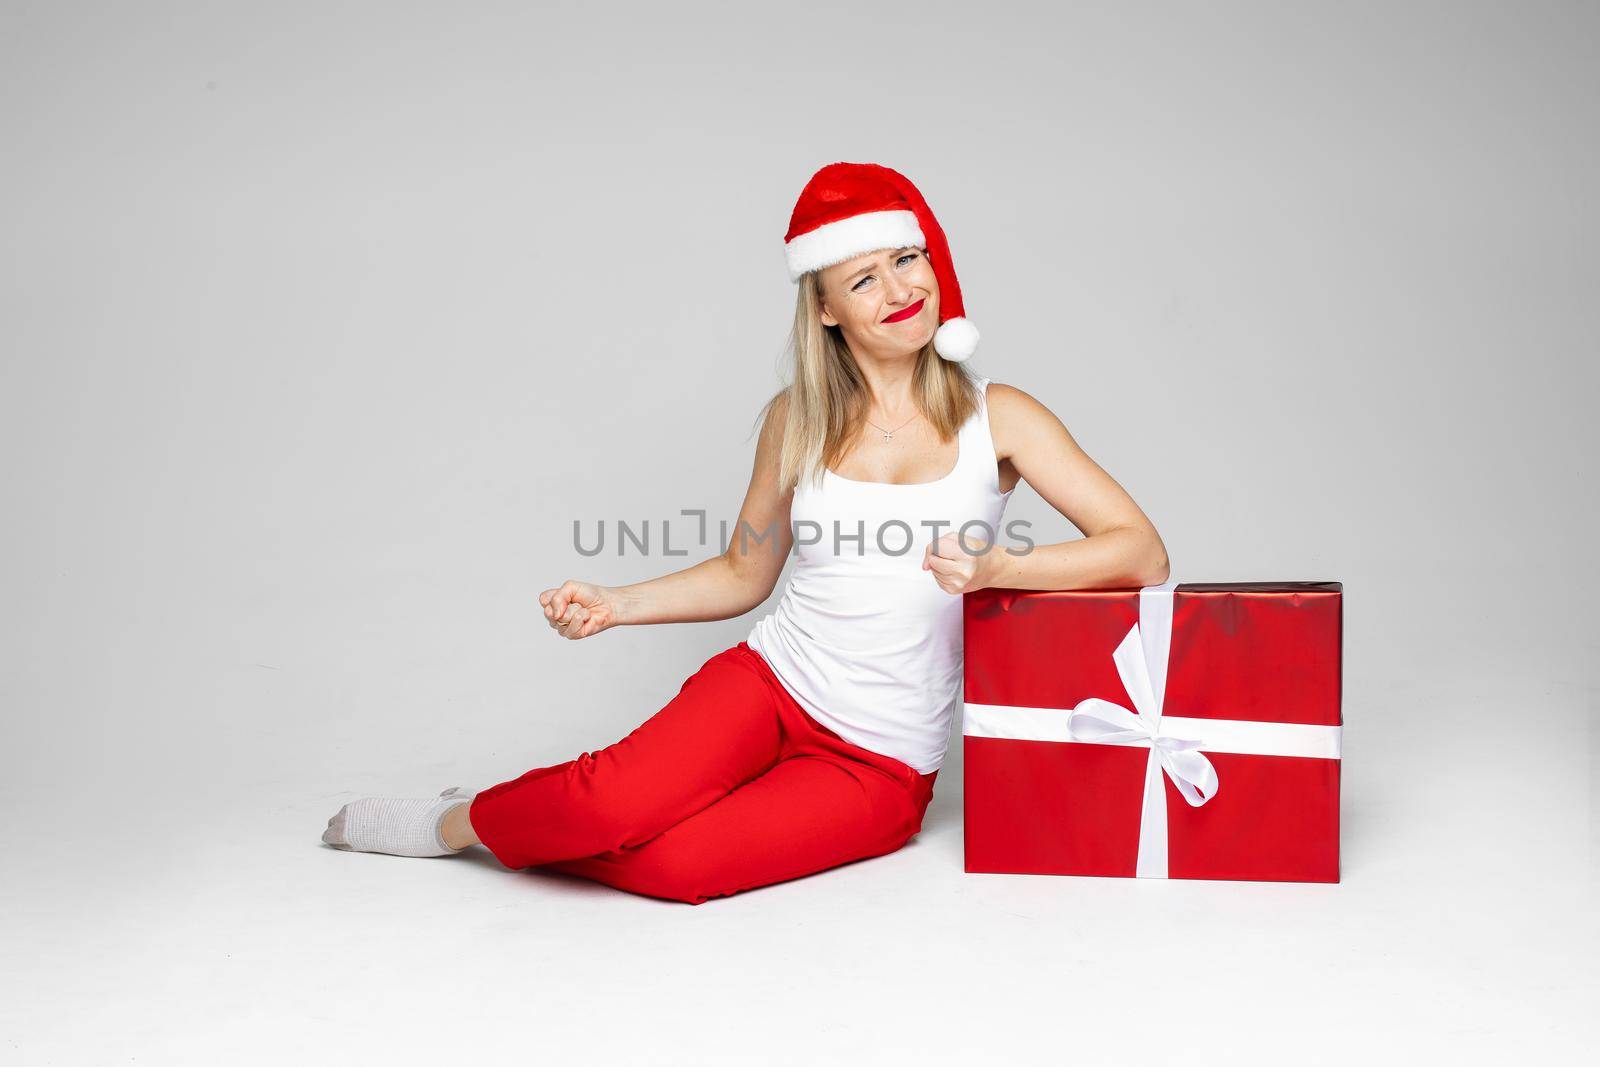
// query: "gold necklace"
[[888, 435]]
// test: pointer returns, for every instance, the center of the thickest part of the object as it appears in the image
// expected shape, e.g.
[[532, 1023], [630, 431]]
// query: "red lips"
[[906, 313]]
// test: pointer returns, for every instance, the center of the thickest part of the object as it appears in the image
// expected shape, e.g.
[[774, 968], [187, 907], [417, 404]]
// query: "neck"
[[889, 385]]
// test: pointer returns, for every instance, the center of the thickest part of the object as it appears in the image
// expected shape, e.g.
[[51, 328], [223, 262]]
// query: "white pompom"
[[956, 340]]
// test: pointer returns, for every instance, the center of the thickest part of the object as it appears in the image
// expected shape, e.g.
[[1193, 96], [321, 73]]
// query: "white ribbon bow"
[[1174, 742], [1104, 723]]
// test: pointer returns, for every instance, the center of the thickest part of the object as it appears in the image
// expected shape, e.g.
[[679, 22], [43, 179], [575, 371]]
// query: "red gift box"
[[1183, 730]]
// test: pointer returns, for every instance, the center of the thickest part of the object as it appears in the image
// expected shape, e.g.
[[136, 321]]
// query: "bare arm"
[[723, 587], [1120, 549]]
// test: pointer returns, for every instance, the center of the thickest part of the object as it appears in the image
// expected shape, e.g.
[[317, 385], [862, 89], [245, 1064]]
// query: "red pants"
[[730, 786]]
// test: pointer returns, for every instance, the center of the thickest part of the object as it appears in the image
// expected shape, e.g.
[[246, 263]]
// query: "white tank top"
[[864, 638]]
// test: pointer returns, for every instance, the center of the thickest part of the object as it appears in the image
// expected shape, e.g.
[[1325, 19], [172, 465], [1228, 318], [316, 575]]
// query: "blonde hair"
[[827, 395]]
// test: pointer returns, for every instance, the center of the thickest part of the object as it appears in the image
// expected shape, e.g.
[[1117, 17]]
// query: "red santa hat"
[[847, 209]]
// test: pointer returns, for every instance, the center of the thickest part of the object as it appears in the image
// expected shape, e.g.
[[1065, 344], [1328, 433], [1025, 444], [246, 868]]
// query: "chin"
[[907, 340], [897, 345]]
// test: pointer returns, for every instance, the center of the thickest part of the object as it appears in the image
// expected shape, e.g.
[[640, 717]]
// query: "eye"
[[856, 288]]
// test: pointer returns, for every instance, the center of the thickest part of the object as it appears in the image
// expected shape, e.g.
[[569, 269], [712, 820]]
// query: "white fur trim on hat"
[[835, 242], [956, 340]]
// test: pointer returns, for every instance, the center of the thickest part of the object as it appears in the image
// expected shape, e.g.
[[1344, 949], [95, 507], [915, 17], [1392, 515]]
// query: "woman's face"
[[869, 298]]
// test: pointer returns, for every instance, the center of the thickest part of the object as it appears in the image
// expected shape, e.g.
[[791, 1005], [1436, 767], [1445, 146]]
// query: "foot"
[[398, 826]]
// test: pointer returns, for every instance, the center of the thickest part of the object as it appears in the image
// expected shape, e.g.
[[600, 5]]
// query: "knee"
[[672, 874]]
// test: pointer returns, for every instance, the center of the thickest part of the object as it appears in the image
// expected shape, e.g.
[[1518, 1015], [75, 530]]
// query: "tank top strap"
[[978, 439], [977, 428], [970, 439]]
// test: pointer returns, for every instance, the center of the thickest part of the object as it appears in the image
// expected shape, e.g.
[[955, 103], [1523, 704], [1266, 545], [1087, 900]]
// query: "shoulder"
[[773, 418], [1015, 406], [775, 412], [1016, 416]]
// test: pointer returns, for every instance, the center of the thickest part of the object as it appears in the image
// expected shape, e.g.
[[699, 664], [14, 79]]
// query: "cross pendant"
[[888, 437]]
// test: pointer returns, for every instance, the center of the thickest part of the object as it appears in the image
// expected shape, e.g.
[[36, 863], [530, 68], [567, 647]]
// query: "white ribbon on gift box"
[[1176, 743]]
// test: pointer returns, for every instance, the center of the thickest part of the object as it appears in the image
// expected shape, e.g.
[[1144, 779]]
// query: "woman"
[[816, 741]]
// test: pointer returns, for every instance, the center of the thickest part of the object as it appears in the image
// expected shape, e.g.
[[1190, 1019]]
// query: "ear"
[[827, 319]]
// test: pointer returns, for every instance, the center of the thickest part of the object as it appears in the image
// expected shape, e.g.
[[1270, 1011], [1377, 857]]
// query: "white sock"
[[399, 826]]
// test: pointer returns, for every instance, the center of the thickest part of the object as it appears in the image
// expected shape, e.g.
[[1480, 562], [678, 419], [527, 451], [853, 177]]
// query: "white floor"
[[153, 920]]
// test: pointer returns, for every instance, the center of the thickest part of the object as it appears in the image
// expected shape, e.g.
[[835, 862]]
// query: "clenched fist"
[[578, 609], [959, 570]]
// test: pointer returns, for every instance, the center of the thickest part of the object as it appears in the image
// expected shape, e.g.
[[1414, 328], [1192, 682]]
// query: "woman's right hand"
[[577, 609]]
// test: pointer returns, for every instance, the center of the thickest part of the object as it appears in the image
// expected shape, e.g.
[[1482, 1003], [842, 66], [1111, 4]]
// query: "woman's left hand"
[[959, 570]]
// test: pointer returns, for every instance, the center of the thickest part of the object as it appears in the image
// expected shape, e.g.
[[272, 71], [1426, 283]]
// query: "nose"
[[899, 291]]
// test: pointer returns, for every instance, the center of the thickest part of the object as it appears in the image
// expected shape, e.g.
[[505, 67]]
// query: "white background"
[[322, 323]]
